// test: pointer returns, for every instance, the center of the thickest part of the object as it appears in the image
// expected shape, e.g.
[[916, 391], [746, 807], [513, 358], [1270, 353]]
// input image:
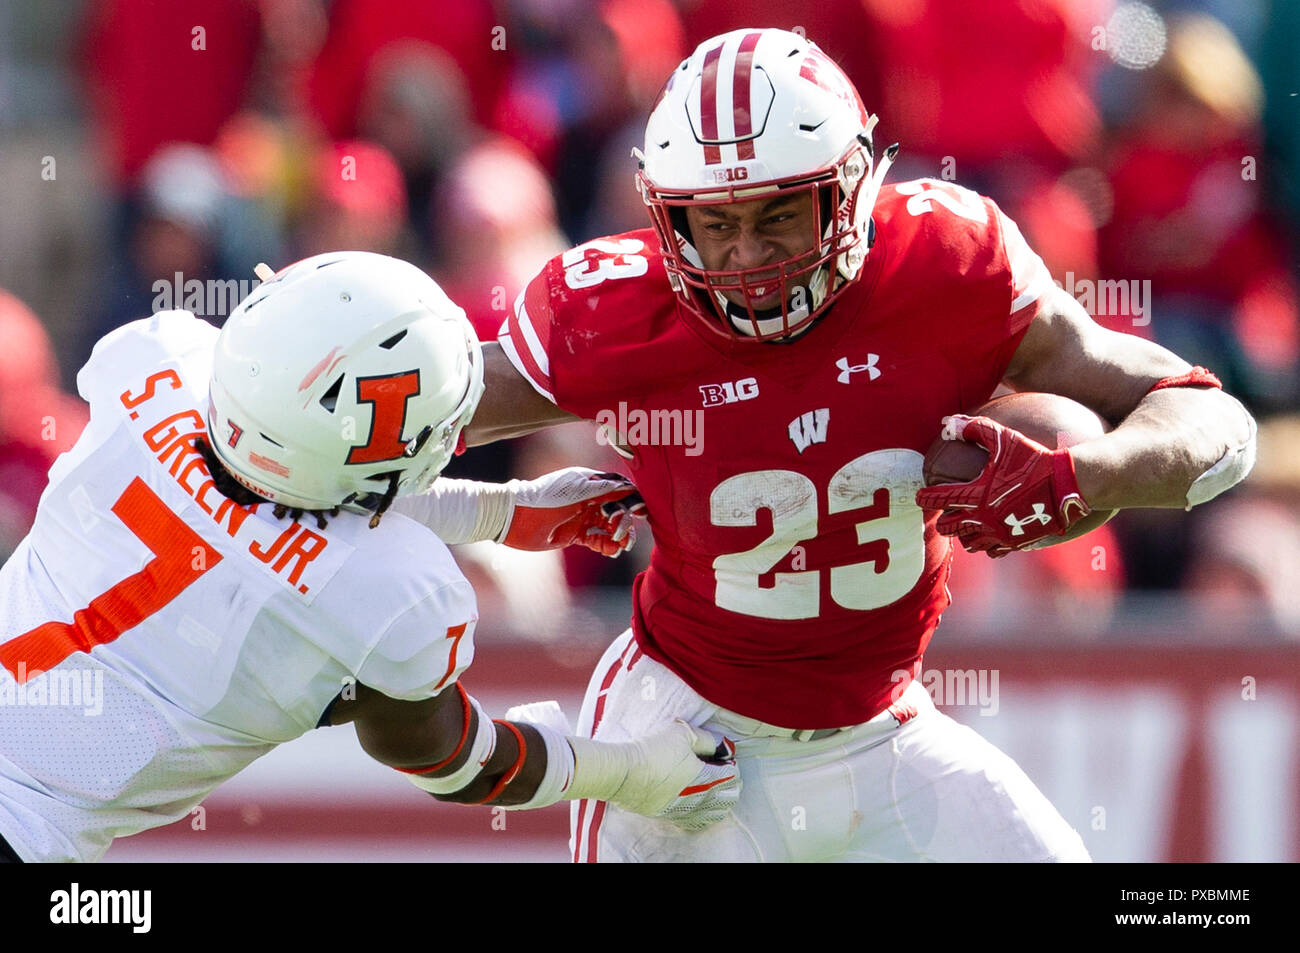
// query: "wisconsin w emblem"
[[810, 428]]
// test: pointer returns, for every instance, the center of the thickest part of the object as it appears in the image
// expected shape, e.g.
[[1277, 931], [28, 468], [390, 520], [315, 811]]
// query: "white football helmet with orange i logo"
[[337, 373], [751, 113]]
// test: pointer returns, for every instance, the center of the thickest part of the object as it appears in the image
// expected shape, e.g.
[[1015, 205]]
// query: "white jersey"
[[157, 637]]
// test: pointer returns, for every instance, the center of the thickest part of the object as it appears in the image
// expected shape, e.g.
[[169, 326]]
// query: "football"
[[1049, 419]]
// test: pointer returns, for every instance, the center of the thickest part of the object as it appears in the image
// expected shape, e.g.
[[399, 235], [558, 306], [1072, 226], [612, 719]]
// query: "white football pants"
[[928, 789]]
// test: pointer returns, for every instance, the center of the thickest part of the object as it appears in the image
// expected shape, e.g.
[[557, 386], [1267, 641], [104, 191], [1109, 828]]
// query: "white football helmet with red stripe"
[[749, 113], [338, 372]]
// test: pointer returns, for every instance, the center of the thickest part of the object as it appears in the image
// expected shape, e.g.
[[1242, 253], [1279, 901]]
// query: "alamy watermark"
[[635, 427], [209, 298], [1112, 298], [953, 687], [128, 907], [59, 688]]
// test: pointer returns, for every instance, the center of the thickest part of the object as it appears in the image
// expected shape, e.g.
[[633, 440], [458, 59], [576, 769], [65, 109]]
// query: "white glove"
[[683, 774], [573, 505], [711, 795]]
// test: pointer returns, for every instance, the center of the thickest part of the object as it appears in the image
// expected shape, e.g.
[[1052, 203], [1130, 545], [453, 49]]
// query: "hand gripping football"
[[1049, 419]]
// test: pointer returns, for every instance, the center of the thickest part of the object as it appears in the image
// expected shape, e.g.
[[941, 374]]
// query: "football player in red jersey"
[[819, 329]]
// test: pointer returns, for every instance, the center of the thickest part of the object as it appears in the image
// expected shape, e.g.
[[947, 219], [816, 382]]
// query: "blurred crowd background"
[[145, 144]]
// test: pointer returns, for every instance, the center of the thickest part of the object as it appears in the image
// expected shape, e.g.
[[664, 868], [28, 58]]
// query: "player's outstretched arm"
[[1176, 446], [575, 505], [448, 746], [510, 406]]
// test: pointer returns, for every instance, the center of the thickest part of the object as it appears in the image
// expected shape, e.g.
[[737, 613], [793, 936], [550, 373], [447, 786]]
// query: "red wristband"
[[515, 768], [1196, 377]]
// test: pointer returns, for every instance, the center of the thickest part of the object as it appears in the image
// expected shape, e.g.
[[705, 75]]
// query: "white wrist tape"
[[600, 768], [480, 750], [559, 771], [1230, 470], [462, 511]]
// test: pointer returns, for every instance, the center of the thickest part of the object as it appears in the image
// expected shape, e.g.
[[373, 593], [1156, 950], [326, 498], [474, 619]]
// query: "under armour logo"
[[847, 370], [1018, 525]]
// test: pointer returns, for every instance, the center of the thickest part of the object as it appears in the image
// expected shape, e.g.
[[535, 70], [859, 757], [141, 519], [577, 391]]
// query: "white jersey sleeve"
[[426, 648]]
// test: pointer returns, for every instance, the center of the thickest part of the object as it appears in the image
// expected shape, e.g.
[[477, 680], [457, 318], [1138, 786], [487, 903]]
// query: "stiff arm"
[[510, 407]]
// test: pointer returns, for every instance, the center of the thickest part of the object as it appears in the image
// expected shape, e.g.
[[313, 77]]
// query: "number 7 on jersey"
[[180, 557]]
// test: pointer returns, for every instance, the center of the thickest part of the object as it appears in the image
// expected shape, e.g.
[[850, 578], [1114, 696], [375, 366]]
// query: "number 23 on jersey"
[[879, 487]]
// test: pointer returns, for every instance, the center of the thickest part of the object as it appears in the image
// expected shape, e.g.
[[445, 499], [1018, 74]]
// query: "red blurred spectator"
[[1246, 561], [38, 421], [358, 204], [494, 222], [984, 82], [651, 42], [416, 105], [575, 86], [182, 192], [159, 71], [172, 241], [361, 30], [1189, 215], [496, 226]]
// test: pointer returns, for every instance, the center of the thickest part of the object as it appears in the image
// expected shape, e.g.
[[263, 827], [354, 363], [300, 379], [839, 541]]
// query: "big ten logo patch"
[[729, 392]]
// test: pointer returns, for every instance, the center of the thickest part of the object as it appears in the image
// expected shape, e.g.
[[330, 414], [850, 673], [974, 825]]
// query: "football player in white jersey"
[[214, 570]]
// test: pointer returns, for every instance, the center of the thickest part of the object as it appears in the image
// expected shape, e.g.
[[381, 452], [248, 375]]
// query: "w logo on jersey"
[[810, 428]]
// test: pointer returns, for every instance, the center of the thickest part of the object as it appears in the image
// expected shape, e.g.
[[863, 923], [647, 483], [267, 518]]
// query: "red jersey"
[[794, 579]]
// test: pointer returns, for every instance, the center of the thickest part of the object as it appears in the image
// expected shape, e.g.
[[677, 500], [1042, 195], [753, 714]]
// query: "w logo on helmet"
[[820, 69], [389, 395]]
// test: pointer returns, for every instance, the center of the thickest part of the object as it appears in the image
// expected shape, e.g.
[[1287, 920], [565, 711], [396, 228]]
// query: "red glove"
[[574, 505], [1024, 493]]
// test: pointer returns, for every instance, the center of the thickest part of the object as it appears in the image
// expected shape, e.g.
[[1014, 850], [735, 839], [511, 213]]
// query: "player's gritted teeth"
[[745, 236]]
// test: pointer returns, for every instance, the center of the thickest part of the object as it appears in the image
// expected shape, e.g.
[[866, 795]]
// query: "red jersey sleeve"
[[576, 330], [1031, 282], [984, 282], [525, 335], [1025, 285]]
